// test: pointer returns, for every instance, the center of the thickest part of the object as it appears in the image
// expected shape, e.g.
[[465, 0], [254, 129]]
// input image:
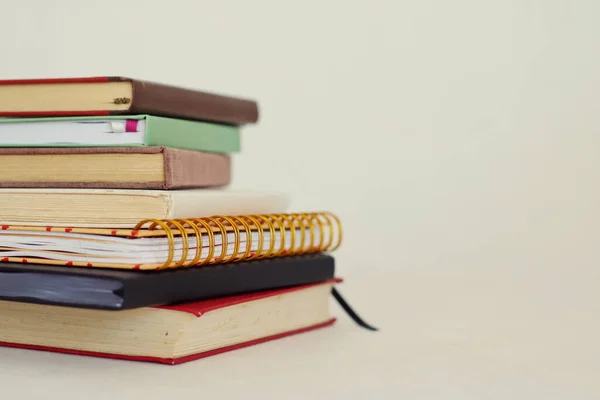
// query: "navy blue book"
[[113, 289]]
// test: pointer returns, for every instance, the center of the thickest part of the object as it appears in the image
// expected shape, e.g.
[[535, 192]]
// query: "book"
[[120, 95], [168, 334], [112, 289], [169, 244], [124, 208], [112, 168], [117, 131]]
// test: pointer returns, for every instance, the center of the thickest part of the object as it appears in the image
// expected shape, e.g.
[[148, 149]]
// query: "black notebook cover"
[[111, 289]]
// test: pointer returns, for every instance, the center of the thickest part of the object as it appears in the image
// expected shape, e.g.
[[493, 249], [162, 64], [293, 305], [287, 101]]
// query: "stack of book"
[[119, 235]]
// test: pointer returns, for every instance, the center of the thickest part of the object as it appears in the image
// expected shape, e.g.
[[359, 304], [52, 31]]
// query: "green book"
[[118, 131]]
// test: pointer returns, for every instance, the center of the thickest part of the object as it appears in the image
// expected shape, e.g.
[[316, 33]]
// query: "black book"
[[112, 289]]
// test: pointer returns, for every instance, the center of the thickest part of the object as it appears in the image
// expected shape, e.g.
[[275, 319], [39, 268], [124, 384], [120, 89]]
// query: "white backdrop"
[[457, 140], [443, 133]]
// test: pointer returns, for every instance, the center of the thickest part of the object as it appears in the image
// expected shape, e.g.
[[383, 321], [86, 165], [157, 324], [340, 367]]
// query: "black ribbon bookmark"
[[350, 311]]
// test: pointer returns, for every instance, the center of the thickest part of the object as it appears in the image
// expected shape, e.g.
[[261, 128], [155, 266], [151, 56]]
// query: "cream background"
[[458, 141]]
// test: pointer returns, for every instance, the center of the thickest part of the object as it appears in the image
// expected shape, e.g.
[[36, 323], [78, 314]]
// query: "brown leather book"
[[112, 168], [120, 95]]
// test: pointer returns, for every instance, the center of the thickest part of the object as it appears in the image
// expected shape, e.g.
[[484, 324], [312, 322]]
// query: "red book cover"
[[198, 309], [170, 361]]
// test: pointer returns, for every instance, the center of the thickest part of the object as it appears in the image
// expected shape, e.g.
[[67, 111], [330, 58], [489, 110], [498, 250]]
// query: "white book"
[[81, 132], [124, 208]]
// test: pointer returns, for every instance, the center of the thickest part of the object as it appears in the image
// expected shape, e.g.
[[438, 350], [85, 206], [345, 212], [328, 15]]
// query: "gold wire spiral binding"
[[257, 254], [290, 251], [269, 252], [288, 234], [211, 241], [311, 245], [248, 232], [314, 217], [281, 230], [168, 233], [322, 224], [224, 240], [339, 230], [236, 236], [185, 245], [197, 235]]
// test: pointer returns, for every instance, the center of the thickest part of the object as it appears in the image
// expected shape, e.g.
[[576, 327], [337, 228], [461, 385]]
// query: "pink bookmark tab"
[[131, 125]]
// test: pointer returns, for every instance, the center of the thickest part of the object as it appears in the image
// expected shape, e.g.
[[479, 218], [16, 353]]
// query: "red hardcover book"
[[168, 334], [120, 95]]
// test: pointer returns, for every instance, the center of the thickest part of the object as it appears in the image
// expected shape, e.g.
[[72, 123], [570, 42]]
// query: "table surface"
[[448, 333]]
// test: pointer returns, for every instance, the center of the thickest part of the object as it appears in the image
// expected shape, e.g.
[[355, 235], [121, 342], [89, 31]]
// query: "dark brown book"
[[112, 168], [120, 95]]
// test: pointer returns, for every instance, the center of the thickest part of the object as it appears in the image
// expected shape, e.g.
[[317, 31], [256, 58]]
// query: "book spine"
[[164, 100], [192, 135], [185, 169]]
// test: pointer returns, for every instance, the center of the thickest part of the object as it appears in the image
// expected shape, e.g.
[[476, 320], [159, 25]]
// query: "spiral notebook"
[[174, 243]]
